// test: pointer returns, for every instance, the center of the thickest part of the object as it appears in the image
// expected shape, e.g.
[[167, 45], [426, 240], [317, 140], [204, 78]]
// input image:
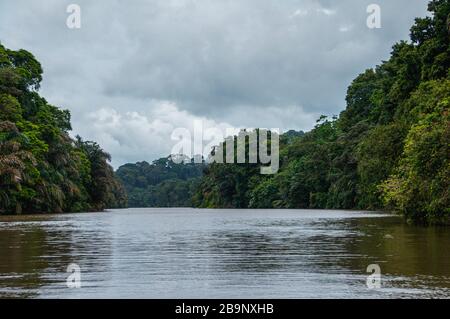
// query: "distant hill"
[[163, 183]]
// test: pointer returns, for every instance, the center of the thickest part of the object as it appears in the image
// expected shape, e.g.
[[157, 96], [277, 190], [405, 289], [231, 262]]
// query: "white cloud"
[[134, 136], [299, 13], [137, 69], [345, 28], [325, 11]]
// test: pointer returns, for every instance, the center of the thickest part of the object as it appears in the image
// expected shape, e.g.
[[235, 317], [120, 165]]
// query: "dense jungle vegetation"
[[389, 149], [42, 169], [163, 183]]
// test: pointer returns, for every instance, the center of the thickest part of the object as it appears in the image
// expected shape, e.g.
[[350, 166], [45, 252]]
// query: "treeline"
[[42, 169], [164, 183], [389, 149]]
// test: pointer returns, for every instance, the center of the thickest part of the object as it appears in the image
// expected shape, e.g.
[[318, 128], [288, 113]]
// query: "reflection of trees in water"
[[401, 249], [36, 255], [21, 263], [345, 246]]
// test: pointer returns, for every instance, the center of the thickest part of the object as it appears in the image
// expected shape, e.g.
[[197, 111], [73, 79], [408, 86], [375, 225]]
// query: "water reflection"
[[187, 253], [36, 250], [403, 251]]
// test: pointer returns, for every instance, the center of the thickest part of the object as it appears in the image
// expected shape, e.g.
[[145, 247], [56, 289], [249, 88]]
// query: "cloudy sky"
[[136, 70]]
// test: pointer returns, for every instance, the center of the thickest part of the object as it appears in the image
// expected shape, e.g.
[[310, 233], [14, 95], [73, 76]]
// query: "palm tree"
[[13, 162]]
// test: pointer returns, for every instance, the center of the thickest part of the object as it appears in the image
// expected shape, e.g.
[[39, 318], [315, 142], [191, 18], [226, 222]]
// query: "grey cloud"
[[210, 56], [242, 62]]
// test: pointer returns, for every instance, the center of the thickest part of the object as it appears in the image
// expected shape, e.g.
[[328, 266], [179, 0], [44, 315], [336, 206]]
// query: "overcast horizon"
[[136, 71]]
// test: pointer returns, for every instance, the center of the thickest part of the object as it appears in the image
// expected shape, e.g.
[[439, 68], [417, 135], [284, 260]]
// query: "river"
[[202, 253]]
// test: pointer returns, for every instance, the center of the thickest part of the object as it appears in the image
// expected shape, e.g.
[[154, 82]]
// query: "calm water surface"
[[190, 253]]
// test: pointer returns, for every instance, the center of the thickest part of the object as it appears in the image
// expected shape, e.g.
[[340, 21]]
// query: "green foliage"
[[231, 185], [389, 149], [265, 194], [164, 183], [43, 170], [10, 109], [377, 154], [420, 185]]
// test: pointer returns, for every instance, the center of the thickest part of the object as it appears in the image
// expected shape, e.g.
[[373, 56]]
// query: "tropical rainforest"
[[43, 169], [164, 183], [389, 149]]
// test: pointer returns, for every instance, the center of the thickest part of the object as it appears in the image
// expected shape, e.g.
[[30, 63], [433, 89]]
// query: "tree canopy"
[[389, 149], [42, 169], [163, 183]]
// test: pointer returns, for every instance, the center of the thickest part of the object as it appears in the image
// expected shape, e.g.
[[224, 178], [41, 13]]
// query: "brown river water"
[[216, 253]]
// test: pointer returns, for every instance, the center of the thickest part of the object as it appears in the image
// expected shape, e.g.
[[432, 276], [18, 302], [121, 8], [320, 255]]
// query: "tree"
[[42, 169], [163, 183], [388, 149], [13, 164], [420, 186]]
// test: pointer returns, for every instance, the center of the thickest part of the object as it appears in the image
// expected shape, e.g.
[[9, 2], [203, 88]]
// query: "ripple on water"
[[189, 253]]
